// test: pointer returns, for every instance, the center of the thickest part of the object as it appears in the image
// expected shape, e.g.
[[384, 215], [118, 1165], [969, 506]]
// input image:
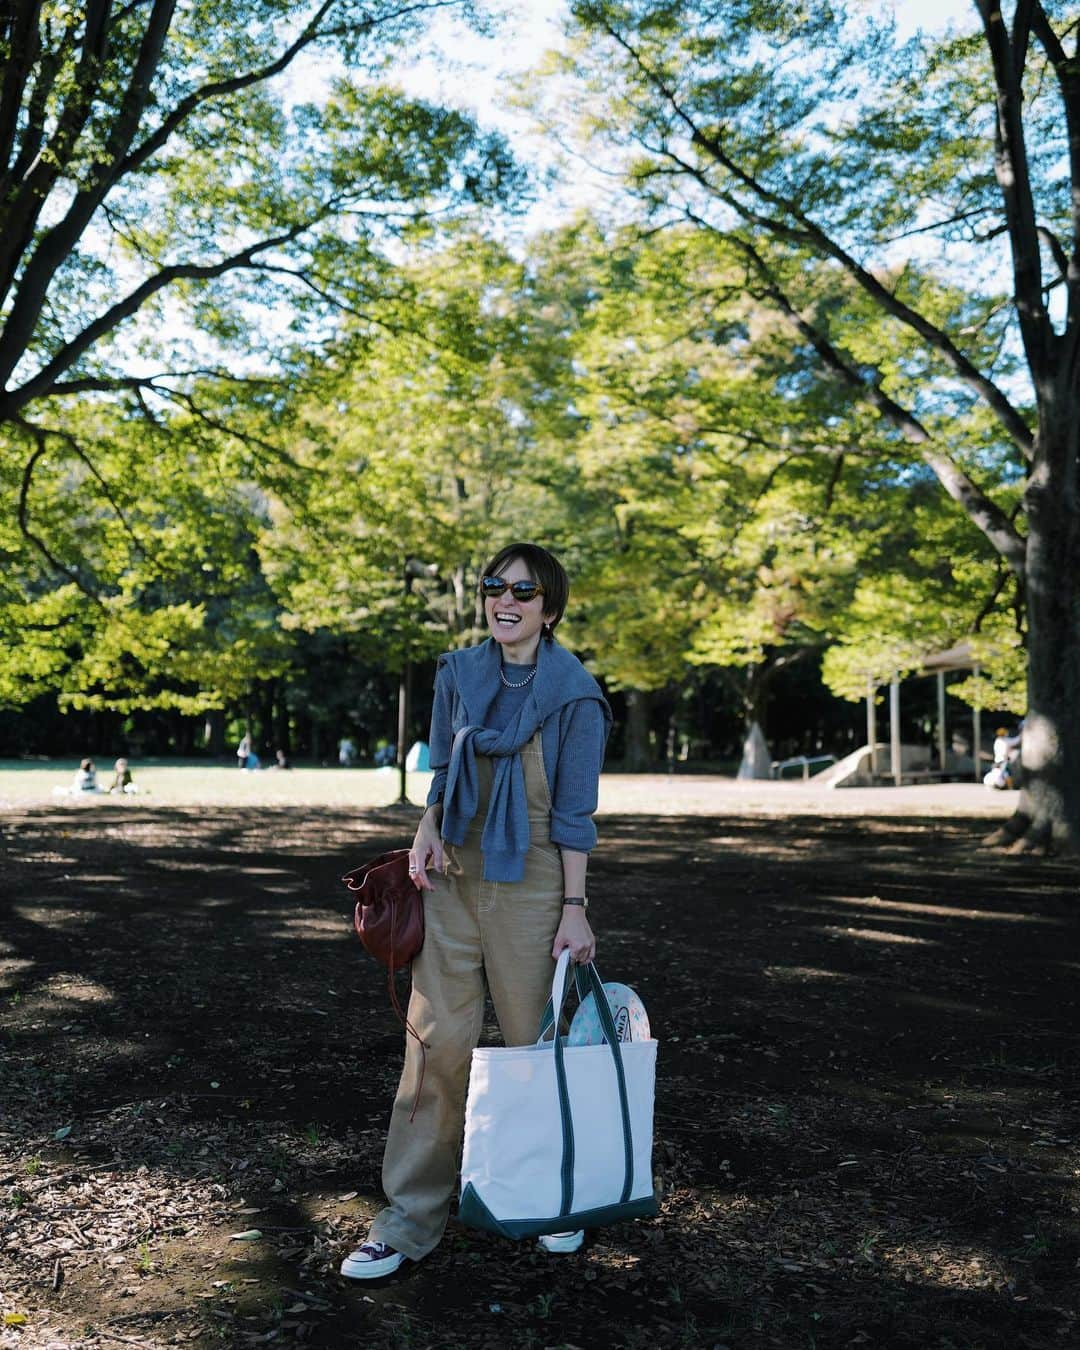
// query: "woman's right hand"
[[427, 849]]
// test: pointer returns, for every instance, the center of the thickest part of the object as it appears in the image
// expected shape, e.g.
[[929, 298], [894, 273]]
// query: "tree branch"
[[246, 438], [812, 235], [57, 243], [1052, 242], [989, 605], [109, 384], [42, 434], [983, 512], [219, 89], [1021, 34], [120, 159], [223, 88], [21, 41], [959, 218], [1068, 75], [834, 482], [49, 66], [33, 192], [935, 337], [42, 382], [1011, 171], [24, 519]]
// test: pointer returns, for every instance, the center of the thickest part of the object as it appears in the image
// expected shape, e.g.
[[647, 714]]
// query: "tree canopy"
[[835, 161], [189, 200], [807, 383]]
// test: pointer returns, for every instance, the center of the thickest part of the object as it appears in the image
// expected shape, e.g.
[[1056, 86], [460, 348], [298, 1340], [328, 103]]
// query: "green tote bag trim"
[[611, 1036], [475, 1213], [547, 1017]]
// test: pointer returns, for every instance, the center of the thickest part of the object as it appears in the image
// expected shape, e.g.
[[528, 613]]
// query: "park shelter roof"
[[953, 658]]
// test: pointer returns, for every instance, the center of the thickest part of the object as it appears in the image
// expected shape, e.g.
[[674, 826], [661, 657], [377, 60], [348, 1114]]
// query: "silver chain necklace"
[[520, 683]]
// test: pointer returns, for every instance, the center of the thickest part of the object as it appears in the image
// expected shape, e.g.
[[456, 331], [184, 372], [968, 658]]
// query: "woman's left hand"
[[575, 933]]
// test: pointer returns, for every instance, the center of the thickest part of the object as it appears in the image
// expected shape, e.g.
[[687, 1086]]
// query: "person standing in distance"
[[518, 730]]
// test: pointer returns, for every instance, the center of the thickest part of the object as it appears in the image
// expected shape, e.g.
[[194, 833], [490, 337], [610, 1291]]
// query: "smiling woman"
[[517, 740], [519, 606]]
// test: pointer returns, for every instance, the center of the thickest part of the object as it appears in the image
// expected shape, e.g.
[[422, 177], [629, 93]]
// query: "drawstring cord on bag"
[[389, 928], [410, 1029]]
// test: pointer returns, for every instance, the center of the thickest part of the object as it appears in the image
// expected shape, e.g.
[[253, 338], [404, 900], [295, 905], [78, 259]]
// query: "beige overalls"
[[474, 929]]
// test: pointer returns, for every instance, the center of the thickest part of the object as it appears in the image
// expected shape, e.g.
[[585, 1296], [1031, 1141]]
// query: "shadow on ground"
[[866, 1107]]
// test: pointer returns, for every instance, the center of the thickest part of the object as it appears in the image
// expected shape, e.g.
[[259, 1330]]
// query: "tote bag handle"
[[547, 1017], [558, 996]]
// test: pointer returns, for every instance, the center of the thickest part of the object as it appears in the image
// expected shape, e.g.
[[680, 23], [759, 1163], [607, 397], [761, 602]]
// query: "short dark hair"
[[543, 567]]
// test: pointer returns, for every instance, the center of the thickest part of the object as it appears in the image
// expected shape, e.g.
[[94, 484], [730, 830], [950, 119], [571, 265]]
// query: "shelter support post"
[[894, 731], [976, 728], [413, 569], [942, 746], [404, 713], [871, 726]]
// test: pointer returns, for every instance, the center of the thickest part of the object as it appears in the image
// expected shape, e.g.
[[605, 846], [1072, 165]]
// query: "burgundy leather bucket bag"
[[389, 915]]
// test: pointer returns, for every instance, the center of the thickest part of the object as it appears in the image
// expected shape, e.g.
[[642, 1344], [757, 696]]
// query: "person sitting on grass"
[[85, 780], [122, 779]]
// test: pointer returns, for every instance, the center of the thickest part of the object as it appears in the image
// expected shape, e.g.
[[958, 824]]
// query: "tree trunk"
[[284, 728], [637, 757], [183, 734], [756, 696], [1048, 815], [316, 740], [265, 743], [463, 607], [214, 732]]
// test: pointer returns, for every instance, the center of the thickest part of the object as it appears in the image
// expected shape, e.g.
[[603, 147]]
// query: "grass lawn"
[[26, 784], [163, 783]]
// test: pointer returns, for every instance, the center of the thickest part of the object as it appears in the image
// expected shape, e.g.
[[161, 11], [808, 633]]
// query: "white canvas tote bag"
[[557, 1136]]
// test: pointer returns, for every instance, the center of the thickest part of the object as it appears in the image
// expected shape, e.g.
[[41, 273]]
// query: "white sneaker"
[[372, 1261], [562, 1242]]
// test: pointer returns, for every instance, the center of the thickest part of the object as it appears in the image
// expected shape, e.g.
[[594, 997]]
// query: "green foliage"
[[849, 179], [236, 179], [729, 502], [151, 529], [726, 421], [420, 429]]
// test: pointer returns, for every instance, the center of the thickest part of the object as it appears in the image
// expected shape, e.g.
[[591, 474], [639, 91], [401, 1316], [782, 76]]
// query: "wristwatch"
[[581, 900]]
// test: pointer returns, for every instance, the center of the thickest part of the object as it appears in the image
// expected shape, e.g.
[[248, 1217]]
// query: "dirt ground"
[[866, 1113]]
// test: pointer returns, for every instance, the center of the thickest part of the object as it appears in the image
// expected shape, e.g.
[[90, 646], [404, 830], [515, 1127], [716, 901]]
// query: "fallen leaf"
[[248, 1235]]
